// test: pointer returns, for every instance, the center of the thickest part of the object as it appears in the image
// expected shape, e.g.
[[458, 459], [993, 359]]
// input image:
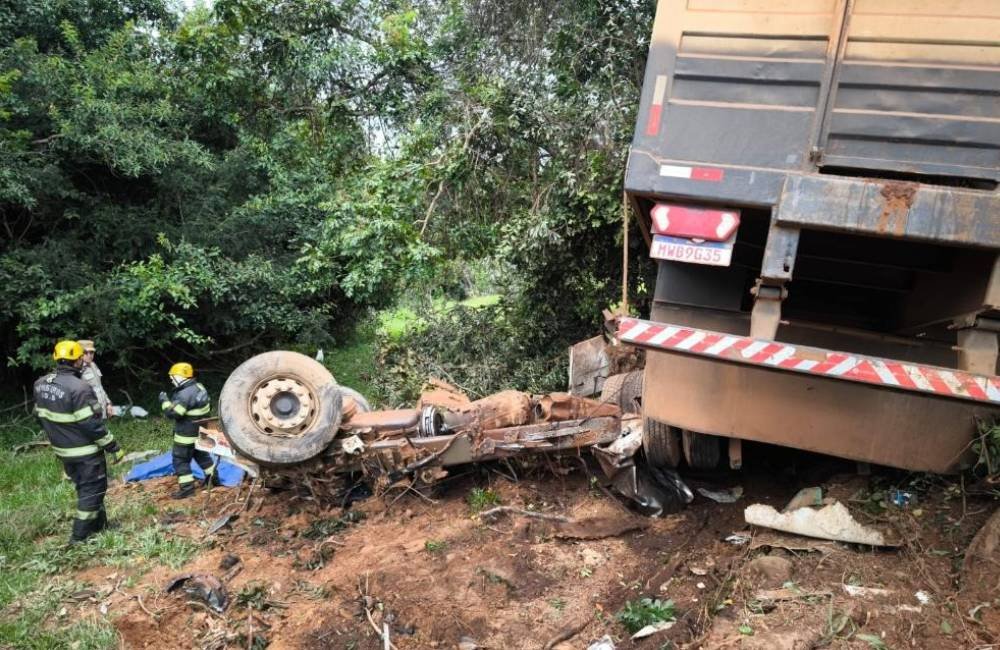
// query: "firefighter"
[[71, 416], [188, 402], [92, 375]]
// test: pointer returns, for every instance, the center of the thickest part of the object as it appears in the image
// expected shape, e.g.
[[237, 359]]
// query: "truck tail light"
[[694, 223]]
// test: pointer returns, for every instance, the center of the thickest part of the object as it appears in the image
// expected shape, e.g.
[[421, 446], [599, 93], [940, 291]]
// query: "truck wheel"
[[280, 408], [701, 450], [662, 443], [356, 397], [625, 390]]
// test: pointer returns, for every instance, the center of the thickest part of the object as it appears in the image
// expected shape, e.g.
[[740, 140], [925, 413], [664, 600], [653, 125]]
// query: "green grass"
[[353, 364], [480, 499], [36, 508]]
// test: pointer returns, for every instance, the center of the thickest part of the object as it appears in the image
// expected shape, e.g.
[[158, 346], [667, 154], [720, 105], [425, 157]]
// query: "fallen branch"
[[385, 639], [524, 513], [566, 634]]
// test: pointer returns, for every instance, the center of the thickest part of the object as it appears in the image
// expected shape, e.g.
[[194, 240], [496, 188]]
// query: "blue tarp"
[[229, 475]]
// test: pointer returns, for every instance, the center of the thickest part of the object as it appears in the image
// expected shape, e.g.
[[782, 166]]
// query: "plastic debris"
[[606, 643], [902, 498], [352, 445], [923, 597], [732, 495], [650, 630], [830, 522]]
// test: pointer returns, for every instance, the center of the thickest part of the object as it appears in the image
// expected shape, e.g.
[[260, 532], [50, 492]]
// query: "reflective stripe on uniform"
[[74, 452], [185, 440], [165, 405], [185, 478], [105, 441], [87, 515], [179, 410], [66, 418], [201, 410]]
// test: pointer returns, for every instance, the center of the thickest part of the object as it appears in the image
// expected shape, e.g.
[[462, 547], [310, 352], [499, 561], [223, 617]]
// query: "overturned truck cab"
[[283, 411]]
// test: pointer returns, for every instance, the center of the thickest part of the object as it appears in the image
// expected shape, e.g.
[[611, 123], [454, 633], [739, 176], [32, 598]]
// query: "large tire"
[[661, 443], [359, 399], [701, 450], [625, 390], [242, 401]]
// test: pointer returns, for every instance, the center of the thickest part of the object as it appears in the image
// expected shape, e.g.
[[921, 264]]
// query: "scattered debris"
[[830, 522], [866, 592], [220, 523], [791, 543], [732, 495], [698, 571], [605, 643], [202, 586], [492, 512], [923, 597], [468, 643], [789, 593], [902, 498], [738, 539], [650, 630]]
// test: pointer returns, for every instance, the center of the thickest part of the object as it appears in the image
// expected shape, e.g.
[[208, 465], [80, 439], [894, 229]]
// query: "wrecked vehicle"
[[282, 410]]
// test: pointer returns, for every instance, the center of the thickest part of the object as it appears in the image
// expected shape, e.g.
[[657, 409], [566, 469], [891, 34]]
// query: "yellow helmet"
[[67, 351], [182, 369]]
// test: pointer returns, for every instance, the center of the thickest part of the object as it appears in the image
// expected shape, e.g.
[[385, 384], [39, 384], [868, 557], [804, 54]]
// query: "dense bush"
[[254, 174]]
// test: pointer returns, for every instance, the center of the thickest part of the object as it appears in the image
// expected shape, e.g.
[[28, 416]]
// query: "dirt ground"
[[436, 576]]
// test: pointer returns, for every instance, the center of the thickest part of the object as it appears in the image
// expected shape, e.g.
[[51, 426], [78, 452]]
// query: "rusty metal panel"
[[900, 429], [892, 209], [917, 89]]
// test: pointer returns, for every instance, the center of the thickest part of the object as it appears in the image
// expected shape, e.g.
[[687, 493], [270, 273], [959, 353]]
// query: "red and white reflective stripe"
[[656, 108], [714, 174], [814, 361]]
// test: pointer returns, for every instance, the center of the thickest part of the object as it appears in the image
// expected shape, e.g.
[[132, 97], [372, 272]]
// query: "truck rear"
[[818, 180]]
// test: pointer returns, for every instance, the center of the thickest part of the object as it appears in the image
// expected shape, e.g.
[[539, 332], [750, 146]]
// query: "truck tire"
[[280, 408], [358, 398], [662, 444], [701, 450], [625, 390]]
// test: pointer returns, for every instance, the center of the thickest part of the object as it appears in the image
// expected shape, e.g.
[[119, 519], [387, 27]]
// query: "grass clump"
[[435, 546], [480, 499], [637, 614]]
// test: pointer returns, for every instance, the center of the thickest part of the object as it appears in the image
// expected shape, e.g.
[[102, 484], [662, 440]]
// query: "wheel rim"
[[282, 406]]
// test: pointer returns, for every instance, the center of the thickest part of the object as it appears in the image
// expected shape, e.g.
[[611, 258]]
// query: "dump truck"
[[817, 181]]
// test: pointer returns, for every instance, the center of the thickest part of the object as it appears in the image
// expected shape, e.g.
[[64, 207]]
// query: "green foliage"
[[480, 499], [253, 175], [478, 349], [435, 546], [36, 506], [637, 614]]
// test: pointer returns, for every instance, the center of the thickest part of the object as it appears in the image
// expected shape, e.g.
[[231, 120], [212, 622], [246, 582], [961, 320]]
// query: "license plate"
[[678, 249]]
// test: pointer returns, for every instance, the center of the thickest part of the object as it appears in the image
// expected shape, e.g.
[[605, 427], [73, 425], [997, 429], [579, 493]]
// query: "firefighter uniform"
[[188, 402], [71, 416]]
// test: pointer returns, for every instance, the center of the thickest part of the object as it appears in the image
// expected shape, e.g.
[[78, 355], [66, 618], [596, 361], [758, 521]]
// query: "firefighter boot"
[[184, 491]]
